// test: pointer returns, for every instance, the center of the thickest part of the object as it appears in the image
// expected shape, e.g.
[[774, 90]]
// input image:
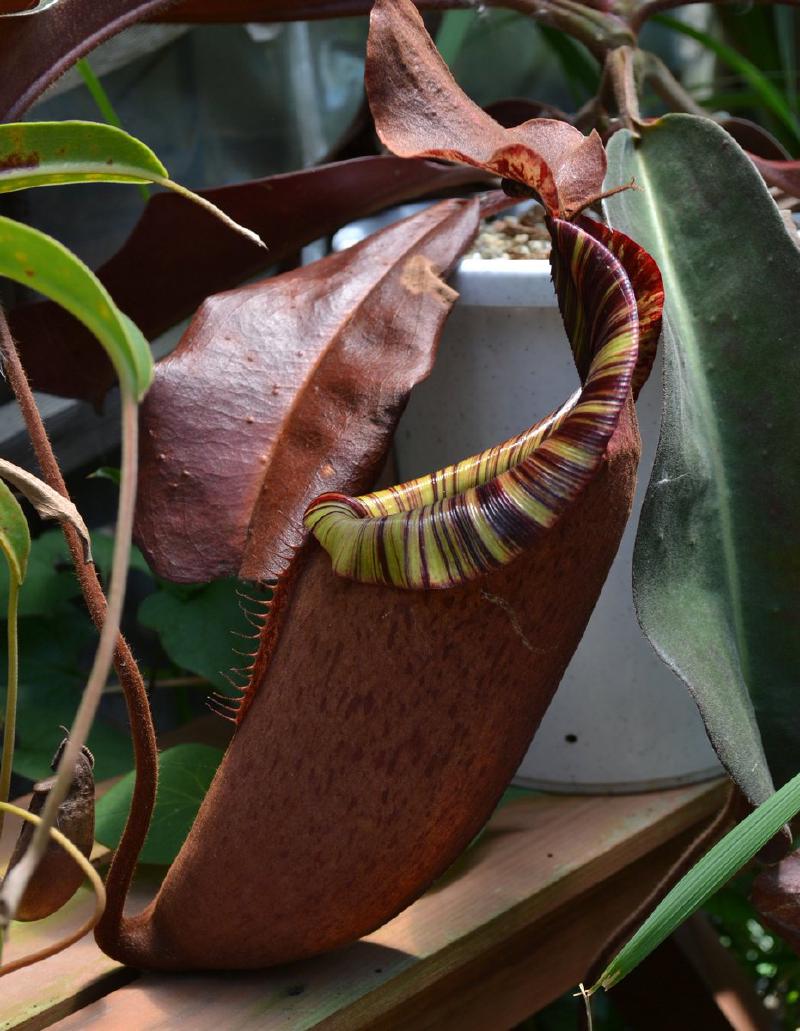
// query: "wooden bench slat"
[[540, 858]]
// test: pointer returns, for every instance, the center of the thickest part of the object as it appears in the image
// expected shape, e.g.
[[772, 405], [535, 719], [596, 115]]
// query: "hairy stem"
[[91, 874], [10, 725], [138, 706], [621, 66], [17, 879], [600, 32]]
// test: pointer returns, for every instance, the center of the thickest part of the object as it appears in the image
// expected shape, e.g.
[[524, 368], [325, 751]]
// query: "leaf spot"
[[419, 277]]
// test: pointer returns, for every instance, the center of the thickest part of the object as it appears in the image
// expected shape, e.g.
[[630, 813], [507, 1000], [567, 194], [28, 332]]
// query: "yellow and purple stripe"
[[455, 524]]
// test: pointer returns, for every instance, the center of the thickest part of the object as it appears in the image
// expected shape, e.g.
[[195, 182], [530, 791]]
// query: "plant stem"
[[91, 874], [136, 700], [10, 725], [620, 67], [17, 879], [667, 86]]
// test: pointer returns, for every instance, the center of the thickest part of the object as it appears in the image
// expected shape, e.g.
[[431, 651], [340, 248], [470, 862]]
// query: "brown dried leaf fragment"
[[177, 255], [47, 502], [58, 876], [288, 388], [420, 111]]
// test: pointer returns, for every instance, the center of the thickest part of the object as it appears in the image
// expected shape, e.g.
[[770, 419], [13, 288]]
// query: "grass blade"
[[705, 878], [769, 95]]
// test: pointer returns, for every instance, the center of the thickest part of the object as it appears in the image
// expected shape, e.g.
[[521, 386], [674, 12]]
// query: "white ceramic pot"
[[620, 720]]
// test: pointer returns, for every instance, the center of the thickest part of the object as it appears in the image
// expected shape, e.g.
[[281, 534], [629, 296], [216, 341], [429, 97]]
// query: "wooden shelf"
[[511, 926]]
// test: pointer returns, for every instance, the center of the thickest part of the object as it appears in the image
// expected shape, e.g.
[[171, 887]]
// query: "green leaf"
[[580, 68], [50, 582], [717, 565], [716, 867], [201, 628], [103, 548], [15, 538], [52, 153], [42, 263], [184, 775], [106, 472], [452, 32], [97, 93], [39, 732], [769, 95]]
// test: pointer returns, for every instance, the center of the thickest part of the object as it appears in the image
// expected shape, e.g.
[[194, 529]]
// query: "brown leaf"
[[45, 45], [755, 139], [287, 388], [384, 728], [58, 876], [177, 255], [785, 175], [277, 10], [776, 897], [420, 111]]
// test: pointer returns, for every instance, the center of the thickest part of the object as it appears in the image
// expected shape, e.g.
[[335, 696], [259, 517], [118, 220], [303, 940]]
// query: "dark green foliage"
[[184, 774]]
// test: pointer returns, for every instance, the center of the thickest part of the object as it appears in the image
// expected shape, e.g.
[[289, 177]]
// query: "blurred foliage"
[[754, 73], [184, 775], [175, 630], [772, 965]]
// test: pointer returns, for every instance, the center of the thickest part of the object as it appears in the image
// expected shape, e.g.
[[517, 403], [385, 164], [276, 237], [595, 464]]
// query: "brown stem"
[[667, 86], [139, 715], [620, 67]]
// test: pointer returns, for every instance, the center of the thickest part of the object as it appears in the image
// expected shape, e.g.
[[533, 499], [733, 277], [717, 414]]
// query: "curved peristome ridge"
[[645, 278], [458, 523]]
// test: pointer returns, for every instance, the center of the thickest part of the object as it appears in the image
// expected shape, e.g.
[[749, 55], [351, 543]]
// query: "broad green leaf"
[[39, 732], [202, 628], [52, 153], [184, 775], [707, 876], [50, 582], [15, 538], [717, 564], [42, 263]]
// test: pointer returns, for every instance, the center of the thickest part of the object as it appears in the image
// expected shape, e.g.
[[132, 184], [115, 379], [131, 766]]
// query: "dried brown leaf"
[[420, 111], [177, 255], [47, 502], [287, 388], [58, 876]]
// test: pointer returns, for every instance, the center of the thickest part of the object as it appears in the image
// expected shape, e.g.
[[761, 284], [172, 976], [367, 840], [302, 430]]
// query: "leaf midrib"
[[676, 300]]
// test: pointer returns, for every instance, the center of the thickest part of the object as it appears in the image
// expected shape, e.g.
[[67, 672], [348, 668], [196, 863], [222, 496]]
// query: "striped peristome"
[[645, 278], [458, 523]]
